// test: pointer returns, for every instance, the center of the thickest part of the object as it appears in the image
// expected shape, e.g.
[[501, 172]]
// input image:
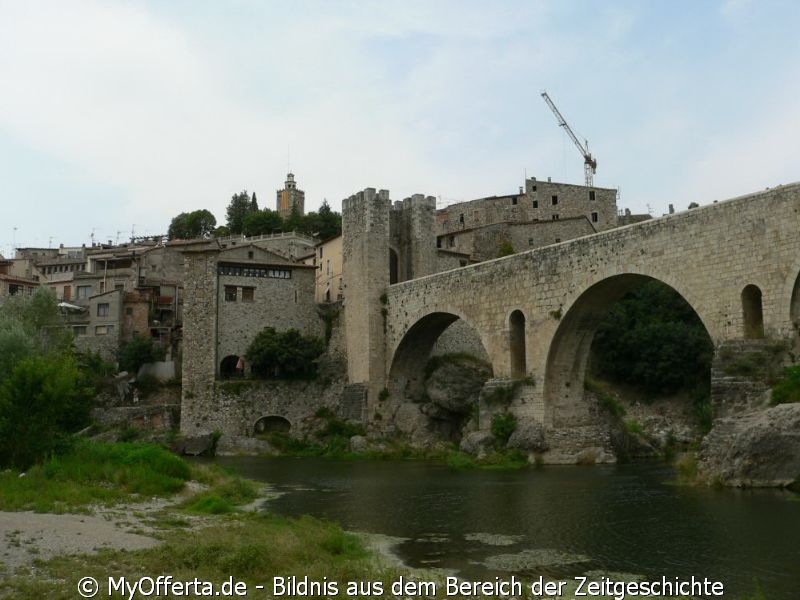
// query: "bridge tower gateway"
[[365, 275]]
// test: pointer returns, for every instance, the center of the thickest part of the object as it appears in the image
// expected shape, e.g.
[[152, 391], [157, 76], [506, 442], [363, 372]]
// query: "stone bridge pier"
[[736, 262]]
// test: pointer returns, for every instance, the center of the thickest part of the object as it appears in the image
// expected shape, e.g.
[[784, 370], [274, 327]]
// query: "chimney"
[[671, 209]]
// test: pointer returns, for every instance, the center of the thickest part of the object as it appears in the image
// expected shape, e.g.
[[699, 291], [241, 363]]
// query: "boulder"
[[359, 443], [455, 384], [527, 437], [197, 445], [760, 449], [477, 443]]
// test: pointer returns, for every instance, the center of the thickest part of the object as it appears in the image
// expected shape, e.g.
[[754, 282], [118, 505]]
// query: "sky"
[[117, 116]]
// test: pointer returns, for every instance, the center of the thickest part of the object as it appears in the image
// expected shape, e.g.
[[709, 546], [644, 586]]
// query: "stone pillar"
[[199, 341], [365, 273]]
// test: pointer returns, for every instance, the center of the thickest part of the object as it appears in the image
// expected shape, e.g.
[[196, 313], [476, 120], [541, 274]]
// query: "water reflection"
[[623, 519]]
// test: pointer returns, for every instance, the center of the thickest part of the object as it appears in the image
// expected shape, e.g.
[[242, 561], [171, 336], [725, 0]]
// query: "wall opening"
[[752, 312], [516, 335], [227, 368], [272, 424], [393, 267]]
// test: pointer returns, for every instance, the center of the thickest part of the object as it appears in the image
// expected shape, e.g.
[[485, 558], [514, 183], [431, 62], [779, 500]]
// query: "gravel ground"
[[27, 536]]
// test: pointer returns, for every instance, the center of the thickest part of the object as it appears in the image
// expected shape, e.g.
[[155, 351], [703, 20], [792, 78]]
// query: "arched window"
[[752, 312], [272, 424], [516, 323]]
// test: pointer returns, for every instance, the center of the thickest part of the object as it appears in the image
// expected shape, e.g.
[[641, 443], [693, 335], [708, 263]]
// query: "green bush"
[[503, 425], [284, 355], [42, 401], [137, 352], [787, 390]]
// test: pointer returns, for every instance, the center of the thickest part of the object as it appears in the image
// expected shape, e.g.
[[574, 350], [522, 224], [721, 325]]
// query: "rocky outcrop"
[[759, 449], [477, 443], [454, 385]]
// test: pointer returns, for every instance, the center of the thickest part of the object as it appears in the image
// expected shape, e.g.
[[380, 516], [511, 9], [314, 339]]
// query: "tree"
[[195, 224], [295, 221], [42, 401], [254, 203], [284, 355], [261, 222], [240, 206]]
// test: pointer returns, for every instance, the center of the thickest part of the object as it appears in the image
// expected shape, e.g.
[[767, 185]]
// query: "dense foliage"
[[653, 339], [195, 224], [137, 352], [284, 354], [44, 396], [787, 390]]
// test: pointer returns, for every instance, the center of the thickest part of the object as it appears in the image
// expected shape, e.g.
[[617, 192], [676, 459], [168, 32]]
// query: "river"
[[555, 521]]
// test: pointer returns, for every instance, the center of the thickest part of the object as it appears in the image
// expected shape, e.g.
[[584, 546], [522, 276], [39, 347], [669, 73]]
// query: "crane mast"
[[589, 163]]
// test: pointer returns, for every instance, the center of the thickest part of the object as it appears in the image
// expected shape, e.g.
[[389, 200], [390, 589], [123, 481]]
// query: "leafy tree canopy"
[[262, 222], [240, 206], [195, 224], [284, 354]]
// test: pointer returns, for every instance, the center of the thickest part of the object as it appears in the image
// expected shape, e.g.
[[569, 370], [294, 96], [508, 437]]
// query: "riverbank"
[[202, 531]]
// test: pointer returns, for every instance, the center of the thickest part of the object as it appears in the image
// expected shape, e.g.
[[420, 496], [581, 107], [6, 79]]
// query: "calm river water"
[[555, 521]]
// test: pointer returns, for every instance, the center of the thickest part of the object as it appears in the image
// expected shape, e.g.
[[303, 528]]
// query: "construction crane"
[[589, 163]]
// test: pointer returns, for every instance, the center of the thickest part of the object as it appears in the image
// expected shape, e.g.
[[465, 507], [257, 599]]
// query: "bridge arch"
[[568, 354], [408, 361], [272, 424]]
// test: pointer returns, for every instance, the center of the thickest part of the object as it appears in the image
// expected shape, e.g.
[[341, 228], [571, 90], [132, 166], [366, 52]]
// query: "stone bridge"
[[735, 262]]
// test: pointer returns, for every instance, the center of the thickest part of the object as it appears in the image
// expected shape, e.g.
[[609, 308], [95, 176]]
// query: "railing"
[[267, 236]]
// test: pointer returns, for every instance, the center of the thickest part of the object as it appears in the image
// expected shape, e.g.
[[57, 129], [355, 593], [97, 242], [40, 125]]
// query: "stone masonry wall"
[[708, 255]]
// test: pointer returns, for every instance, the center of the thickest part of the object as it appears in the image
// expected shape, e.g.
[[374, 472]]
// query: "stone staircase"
[[354, 402]]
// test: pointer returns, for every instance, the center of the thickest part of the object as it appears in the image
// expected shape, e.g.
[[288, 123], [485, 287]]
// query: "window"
[[102, 309], [535, 204], [119, 287], [328, 268], [248, 294], [79, 329], [514, 201], [84, 291], [591, 194], [533, 187], [230, 293], [451, 241], [249, 254], [555, 216], [554, 200], [102, 286], [476, 216], [530, 241], [558, 240], [129, 311], [461, 218], [595, 217], [320, 251], [103, 329]]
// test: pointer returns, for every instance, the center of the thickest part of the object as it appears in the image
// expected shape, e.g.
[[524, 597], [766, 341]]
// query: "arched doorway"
[[227, 368]]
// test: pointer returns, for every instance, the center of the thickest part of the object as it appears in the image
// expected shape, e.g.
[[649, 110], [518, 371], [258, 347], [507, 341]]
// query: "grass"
[[500, 460], [606, 400], [94, 473], [252, 548]]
